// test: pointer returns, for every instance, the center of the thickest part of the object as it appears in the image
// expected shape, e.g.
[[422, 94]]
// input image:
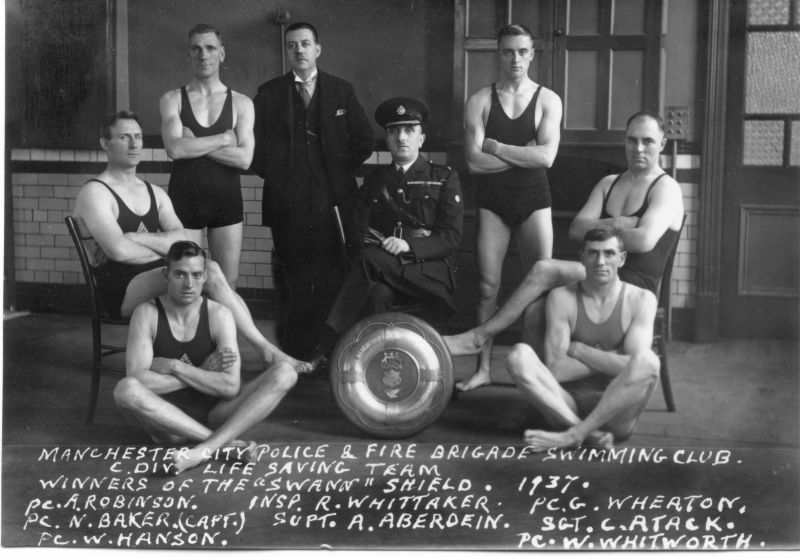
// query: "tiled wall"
[[44, 252], [684, 269]]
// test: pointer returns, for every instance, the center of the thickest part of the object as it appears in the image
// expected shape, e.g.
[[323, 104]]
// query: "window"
[[603, 57]]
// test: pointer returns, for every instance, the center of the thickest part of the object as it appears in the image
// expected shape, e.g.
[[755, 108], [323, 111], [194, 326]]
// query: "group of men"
[[347, 252]]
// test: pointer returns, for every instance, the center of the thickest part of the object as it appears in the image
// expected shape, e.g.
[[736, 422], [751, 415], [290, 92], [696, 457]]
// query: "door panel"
[[761, 219]]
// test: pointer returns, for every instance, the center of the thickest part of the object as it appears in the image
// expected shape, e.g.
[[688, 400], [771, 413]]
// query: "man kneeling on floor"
[[183, 368], [599, 369]]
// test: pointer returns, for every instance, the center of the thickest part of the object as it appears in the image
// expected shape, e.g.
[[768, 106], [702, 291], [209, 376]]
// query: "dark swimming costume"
[[204, 192], [113, 277], [607, 335], [515, 193], [191, 401], [644, 269]]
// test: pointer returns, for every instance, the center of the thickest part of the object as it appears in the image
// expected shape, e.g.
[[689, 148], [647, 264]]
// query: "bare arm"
[[475, 133], [95, 208], [561, 302], [589, 215], [180, 145], [606, 362], [541, 151], [666, 202], [225, 382], [639, 235], [139, 353], [171, 228], [639, 335], [240, 155]]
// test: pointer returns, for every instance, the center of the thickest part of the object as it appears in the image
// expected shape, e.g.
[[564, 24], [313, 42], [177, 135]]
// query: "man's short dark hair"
[[603, 233], [302, 25], [514, 30], [184, 248], [647, 114], [112, 119], [202, 28]]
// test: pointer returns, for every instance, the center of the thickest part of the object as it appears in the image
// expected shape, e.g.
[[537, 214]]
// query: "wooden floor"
[[731, 393]]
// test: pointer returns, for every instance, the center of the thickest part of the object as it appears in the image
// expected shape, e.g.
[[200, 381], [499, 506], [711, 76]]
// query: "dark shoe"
[[320, 366]]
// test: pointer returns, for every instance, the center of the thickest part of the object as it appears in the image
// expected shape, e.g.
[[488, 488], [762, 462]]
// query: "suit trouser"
[[312, 269]]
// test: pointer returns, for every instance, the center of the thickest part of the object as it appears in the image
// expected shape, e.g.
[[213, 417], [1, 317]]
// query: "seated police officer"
[[408, 222]]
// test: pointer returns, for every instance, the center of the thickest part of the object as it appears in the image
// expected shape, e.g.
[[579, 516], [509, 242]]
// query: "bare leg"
[[534, 325], [225, 245], [144, 286], [618, 410], [535, 238], [491, 248], [540, 387], [231, 418], [535, 242], [543, 277], [164, 421], [218, 288]]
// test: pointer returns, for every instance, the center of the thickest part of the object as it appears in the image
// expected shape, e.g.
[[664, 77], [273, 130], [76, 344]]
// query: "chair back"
[[87, 264], [666, 277]]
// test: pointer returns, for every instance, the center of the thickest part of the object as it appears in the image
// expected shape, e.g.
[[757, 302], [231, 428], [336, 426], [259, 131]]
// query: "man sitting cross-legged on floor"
[[133, 224], [597, 346], [183, 368]]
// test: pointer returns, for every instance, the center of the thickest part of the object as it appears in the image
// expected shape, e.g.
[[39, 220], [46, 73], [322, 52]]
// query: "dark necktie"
[[302, 88]]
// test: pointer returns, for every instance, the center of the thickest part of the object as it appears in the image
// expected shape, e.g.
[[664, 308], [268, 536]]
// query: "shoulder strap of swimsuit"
[[162, 316], [151, 193], [652, 184], [536, 97], [532, 108], [495, 98], [618, 305], [646, 202], [581, 309]]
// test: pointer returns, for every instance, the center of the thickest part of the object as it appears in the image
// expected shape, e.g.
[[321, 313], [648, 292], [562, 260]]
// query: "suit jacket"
[[347, 139], [427, 198]]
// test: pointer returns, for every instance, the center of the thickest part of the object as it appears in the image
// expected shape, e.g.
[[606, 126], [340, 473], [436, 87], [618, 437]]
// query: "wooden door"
[[760, 218]]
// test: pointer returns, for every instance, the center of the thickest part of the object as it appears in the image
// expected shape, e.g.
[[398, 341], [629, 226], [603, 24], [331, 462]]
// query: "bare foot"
[[302, 367], [478, 379], [299, 366], [186, 459], [244, 451], [603, 439], [464, 344], [541, 440]]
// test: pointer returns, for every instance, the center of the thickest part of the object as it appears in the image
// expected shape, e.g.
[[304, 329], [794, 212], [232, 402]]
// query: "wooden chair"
[[661, 329], [100, 317]]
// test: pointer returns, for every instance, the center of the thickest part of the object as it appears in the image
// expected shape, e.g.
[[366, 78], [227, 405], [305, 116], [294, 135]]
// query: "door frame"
[[712, 173]]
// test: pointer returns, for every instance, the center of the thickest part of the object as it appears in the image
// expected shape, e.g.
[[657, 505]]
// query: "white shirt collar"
[[311, 78], [405, 167]]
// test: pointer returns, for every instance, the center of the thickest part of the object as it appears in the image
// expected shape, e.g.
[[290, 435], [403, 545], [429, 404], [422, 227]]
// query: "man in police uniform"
[[408, 223]]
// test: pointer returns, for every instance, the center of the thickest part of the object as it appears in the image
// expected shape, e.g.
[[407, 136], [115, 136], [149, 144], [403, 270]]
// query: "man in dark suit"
[[311, 136], [408, 222]]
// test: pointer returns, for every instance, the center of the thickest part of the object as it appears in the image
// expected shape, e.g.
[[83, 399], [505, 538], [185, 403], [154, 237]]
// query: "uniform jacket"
[[429, 197], [347, 138]]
